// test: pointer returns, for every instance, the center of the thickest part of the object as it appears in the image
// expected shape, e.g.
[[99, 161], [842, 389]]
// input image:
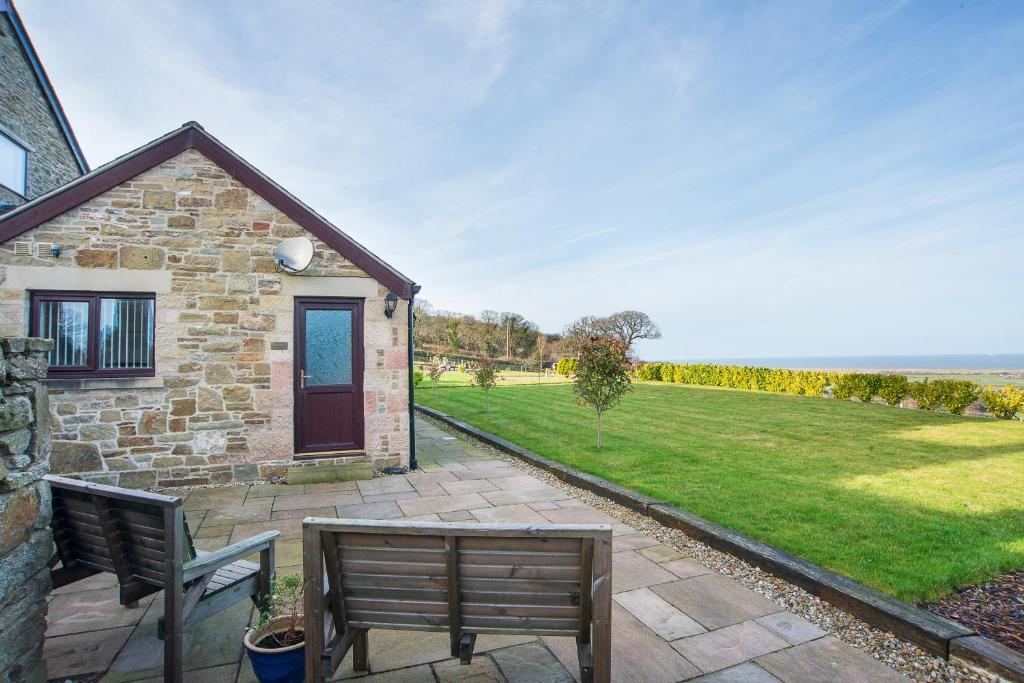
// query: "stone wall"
[[25, 113], [25, 544], [220, 406]]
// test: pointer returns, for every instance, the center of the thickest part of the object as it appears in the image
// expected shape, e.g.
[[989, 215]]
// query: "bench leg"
[[585, 656], [360, 650], [466, 644], [174, 637]]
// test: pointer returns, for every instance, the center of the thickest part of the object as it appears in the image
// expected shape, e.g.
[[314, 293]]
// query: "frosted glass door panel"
[[328, 347]]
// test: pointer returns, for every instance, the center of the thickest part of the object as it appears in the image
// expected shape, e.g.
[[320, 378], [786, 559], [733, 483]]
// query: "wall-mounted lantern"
[[390, 304]]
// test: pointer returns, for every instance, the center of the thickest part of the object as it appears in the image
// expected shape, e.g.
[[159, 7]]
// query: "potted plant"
[[276, 645]]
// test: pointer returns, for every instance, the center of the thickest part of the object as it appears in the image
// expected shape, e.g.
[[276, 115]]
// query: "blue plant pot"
[[282, 665]]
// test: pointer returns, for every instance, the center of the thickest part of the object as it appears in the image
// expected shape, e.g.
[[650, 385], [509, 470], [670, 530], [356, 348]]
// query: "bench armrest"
[[211, 562]]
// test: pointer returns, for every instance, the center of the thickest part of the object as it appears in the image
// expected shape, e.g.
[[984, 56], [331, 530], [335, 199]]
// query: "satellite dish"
[[294, 254]]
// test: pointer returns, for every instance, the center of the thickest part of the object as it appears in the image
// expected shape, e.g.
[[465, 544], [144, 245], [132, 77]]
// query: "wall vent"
[[23, 248], [44, 249]]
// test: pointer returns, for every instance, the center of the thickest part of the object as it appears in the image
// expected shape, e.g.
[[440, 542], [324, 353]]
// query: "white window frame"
[[6, 139]]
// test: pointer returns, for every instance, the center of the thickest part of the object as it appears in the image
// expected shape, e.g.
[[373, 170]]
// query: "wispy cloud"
[[764, 179]]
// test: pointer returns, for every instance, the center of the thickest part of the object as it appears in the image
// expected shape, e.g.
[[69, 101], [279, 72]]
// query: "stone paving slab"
[[83, 653], [91, 610], [728, 646], [790, 627], [673, 618], [748, 672], [435, 504], [715, 600], [631, 570], [827, 659], [658, 615], [638, 654]]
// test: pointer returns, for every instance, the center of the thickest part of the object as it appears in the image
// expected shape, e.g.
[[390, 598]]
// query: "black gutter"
[[412, 385]]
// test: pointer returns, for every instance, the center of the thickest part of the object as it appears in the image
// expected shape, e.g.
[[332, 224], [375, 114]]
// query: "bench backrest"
[[473, 578], [122, 531]]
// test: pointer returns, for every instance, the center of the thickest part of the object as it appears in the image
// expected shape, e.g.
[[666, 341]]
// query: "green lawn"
[[907, 501]]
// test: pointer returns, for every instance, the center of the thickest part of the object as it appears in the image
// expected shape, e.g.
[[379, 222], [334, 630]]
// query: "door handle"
[[302, 379]]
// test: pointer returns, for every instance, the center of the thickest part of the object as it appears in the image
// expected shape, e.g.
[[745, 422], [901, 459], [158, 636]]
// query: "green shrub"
[[644, 372], [813, 382], [1004, 403], [894, 388], [864, 386], [417, 377], [566, 367], [929, 394], [959, 395], [842, 386]]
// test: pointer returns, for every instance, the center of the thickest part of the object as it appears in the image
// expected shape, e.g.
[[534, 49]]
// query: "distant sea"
[[971, 361]]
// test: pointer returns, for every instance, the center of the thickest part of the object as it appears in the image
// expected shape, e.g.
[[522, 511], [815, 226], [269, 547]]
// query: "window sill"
[[105, 383]]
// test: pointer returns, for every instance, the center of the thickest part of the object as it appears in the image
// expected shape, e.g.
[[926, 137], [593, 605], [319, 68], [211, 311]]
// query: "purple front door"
[[328, 376]]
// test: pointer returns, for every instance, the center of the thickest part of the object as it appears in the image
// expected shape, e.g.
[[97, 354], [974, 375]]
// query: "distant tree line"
[[510, 336]]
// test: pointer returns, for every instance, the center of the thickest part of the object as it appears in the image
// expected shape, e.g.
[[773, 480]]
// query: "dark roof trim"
[[192, 136], [7, 7]]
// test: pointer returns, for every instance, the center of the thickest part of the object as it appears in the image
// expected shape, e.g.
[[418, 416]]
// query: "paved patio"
[[673, 619]]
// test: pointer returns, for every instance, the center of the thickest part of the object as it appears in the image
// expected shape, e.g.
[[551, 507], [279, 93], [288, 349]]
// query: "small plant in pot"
[[276, 645]]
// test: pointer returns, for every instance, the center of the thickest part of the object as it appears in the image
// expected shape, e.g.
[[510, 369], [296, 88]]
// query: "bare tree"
[[627, 326], [578, 332]]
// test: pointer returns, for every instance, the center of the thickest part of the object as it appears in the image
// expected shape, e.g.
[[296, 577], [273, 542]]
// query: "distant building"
[[38, 149]]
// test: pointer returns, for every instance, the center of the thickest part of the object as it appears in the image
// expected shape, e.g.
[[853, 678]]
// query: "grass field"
[[913, 503], [506, 377]]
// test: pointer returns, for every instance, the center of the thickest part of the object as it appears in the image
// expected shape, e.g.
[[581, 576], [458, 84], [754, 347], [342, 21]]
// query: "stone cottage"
[[38, 149], [184, 351]]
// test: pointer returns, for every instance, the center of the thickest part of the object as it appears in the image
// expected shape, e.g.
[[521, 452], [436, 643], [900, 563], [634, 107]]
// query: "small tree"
[[602, 376], [1004, 403], [434, 372], [285, 601], [486, 377]]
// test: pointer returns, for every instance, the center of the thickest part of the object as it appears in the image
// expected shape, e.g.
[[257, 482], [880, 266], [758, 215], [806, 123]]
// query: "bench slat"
[[346, 541], [497, 571], [543, 545], [513, 598], [364, 580], [520, 585], [519, 558], [470, 609], [356, 617], [392, 568]]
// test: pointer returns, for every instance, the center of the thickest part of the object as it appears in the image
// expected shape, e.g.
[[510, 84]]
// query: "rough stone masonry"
[[220, 407], [25, 539]]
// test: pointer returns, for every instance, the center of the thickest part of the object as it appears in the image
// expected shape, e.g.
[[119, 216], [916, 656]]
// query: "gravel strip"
[[902, 656]]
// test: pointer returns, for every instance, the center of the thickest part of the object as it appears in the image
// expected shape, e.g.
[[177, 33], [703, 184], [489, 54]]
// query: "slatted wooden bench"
[[144, 540], [462, 578]]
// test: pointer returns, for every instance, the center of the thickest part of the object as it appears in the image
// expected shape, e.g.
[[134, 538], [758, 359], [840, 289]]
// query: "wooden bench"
[[462, 578], [144, 540]]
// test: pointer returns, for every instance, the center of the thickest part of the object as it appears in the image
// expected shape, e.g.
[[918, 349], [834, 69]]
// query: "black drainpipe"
[[412, 409]]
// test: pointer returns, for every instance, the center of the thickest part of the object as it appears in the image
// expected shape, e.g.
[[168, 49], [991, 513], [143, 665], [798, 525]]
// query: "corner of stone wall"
[[25, 540]]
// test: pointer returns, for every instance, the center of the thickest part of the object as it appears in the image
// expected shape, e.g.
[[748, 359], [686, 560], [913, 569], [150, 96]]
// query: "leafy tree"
[[959, 395], [434, 372], [451, 332], [628, 326], [894, 389], [1004, 403], [602, 376], [486, 377]]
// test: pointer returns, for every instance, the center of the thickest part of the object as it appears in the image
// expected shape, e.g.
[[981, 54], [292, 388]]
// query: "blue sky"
[[790, 179]]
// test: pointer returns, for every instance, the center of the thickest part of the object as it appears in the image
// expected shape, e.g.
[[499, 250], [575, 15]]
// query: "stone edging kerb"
[[931, 632]]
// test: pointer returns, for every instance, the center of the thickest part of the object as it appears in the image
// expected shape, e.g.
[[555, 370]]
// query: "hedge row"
[[566, 367], [931, 394]]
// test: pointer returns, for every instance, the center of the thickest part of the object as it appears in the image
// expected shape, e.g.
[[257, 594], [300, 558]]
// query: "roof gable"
[[192, 136], [7, 7]]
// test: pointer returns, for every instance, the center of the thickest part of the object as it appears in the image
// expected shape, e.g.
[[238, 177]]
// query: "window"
[[13, 164], [96, 335]]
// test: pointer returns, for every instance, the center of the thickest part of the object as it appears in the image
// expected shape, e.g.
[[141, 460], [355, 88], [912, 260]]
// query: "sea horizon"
[[967, 361]]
